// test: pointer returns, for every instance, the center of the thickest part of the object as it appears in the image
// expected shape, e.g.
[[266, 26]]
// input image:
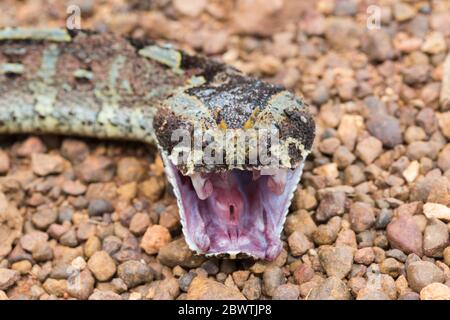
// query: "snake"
[[233, 146]]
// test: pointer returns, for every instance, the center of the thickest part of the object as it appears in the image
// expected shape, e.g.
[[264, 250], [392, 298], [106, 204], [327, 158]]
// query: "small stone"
[[416, 74], [435, 291], [155, 238], [436, 210], [33, 239], [369, 149], [409, 296], [422, 273], [361, 216], [92, 245], [349, 129], [391, 267], [81, 285], [301, 221], [240, 277], [403, 11], [44, 217], [210, 266], [383, 218], [45, 164], [4, 162], [329, 145], [404, 234], [303, 274], [102, 266], [272, 278], [378, 45], [8, 278], [208, 289], [299, 243], [111, 244], [55, 287], [354, 175], [447, 256], [443, 161], [69, 239], [364, 256], [331, 288], [343, 157], [31, 145], [252, 288], [286, 291], [435, 238], [96, 169], [139, 223], [98, 207], [134, 273], [332, 204], [327, 233], [412, 171], [23, 267], [130, 169], [426, 118], [397, 255], [386, 129], [104, 295], [74, 150], [434, 43], [444, 123], [372, 294], [74, 188], [152, 188], [337, 261], [190, 8]]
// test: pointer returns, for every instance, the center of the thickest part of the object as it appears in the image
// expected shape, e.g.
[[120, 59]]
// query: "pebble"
[[139, 223], [403, 11], [55, 287], [332, 204], [327, 233], [240, 277], [299, 243], [74, 188], [81, 285], [208, 289], [386, 129], [447, 256], [422, 273], [369, 149], [252, 288], [155, 238], [190, 8], [436, 210], [69, 238], [300, 221], [134, 273], [4, 162], [74, 150], [391, 267], [404, 234], [364, 256], [45, 164], [286, 291], [378, 45], [331, 288], [96, 169], [362, 216], [336, 261], [30, 146], [396, 254], [435, 238], [44, 217], [435, 291], [111, 244], [98, 207], [130, 169], [104, 295], [152, 188], [272, 278], [33, 239], [102, 266], [8, 278], [434, 43]]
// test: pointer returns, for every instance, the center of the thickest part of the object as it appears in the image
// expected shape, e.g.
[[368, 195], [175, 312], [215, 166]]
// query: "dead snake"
[[105, 86]]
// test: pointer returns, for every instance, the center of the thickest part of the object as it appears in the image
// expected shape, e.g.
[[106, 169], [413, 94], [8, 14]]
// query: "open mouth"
[[236, 211]]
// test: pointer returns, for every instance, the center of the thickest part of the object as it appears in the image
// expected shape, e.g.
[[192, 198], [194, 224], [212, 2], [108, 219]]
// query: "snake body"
[[105, 86]]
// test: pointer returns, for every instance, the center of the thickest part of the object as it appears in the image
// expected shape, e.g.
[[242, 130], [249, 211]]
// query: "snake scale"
[[105, 86]]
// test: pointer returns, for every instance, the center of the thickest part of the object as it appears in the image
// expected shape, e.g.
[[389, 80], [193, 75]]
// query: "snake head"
[[234, 149]]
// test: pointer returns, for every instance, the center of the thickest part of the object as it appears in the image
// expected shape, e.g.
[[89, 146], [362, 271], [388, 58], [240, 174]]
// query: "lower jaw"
[[256, 234]]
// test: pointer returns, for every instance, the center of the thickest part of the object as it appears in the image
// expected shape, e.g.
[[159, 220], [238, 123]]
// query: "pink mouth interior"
[[240, 215]]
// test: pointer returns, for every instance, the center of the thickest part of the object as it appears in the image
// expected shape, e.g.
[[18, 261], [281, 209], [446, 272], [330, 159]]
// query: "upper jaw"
[[260, 205]]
